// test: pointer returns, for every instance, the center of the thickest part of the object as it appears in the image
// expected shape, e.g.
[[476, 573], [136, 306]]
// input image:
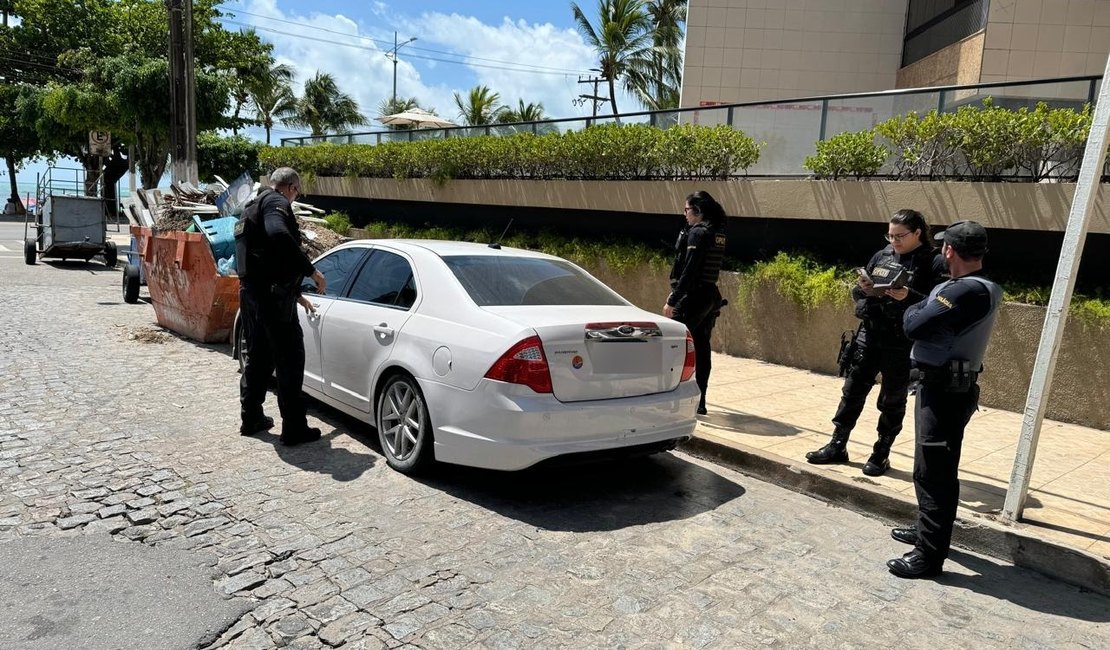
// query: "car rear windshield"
[[496, 281]]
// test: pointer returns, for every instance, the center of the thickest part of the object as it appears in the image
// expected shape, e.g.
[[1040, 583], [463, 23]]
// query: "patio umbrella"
[[416, 117]]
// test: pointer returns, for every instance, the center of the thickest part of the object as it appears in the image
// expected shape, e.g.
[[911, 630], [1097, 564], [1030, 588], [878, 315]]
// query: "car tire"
[[241, 346], [407, 448], [110, 256], [130, 284], [30, 254]]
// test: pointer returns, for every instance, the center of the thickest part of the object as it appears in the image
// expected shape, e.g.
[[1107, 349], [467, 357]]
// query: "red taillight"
[[525, 364], [688, 363]]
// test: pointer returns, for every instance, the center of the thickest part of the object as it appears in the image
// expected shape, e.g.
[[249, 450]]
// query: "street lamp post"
[[392, 55]]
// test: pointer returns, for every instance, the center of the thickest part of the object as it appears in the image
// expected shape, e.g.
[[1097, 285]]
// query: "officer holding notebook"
[[897, 276]]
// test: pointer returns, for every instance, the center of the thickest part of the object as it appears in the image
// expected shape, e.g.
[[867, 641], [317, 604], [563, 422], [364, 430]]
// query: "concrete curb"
[[1010, 542]]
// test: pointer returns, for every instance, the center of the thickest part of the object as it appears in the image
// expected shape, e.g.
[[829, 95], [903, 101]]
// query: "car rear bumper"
[[507, 427]]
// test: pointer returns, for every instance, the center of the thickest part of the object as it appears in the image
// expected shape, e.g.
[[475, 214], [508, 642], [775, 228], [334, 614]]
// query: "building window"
[[932, 25]]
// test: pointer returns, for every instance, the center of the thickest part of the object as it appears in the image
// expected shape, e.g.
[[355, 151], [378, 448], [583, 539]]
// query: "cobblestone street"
[[110, 426]]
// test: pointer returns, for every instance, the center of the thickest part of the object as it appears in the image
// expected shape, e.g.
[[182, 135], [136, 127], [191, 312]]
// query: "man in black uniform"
[[950, 331], [271, 267], [695, 301]]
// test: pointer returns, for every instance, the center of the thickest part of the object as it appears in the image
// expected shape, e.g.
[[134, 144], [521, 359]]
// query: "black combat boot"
[[834, 452], [879, 462]]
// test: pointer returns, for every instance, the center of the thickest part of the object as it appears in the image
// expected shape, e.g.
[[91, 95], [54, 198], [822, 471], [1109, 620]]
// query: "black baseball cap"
[[967, 237]]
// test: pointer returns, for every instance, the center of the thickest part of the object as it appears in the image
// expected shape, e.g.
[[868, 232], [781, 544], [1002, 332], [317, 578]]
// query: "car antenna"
[[497, 244]]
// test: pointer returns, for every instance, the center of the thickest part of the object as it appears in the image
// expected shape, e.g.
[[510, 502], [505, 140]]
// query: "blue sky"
[[521, 49]]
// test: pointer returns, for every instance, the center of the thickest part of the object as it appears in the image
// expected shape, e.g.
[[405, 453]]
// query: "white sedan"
[[492, 357]]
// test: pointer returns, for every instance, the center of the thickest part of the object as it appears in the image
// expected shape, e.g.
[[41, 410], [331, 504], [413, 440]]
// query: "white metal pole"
[[1040, 385]]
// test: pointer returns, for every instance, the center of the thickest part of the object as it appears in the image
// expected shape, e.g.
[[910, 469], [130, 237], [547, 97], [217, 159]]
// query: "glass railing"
[[787, 129]]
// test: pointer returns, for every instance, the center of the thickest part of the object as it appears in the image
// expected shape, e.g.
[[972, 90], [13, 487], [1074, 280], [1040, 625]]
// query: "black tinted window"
[[501, 281], [386, 279], [337, 267]]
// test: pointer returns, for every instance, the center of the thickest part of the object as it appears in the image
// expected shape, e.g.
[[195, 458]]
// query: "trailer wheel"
[[130, 284], [29, 251], [110, 258]]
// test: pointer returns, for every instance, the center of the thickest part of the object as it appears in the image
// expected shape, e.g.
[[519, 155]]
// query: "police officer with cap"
[[271, 267], [695, 300], [950, 331]]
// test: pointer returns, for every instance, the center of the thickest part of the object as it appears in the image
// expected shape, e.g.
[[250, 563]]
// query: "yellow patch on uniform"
[[944, 301]]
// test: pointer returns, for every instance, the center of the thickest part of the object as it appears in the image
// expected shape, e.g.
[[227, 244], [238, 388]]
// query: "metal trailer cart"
[[69, 227]]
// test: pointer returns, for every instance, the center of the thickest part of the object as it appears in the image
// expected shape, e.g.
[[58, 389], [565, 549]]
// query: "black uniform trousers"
[[274, 341], [941, 417], [699, 314], [872, 359]]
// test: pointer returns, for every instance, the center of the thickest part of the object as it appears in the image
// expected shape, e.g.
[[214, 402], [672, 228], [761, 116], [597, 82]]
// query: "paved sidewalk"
[[779, 413]]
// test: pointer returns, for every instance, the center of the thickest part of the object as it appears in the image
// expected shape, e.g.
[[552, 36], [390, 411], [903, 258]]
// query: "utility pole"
[[595, 98], [392, 55], [183, 115]]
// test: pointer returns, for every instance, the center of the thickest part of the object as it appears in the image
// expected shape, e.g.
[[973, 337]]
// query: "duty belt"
[[944, 378]]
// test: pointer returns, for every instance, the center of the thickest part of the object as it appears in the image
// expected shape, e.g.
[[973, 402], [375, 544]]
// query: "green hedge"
[[227, 157], [984, 143], [620, 255], [608, 152]]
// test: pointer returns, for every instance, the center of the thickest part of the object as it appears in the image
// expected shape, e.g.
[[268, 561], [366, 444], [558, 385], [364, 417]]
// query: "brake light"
[[688, 363], [524, 363]]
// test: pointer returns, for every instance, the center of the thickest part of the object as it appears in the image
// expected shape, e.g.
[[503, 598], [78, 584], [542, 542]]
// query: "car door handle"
[[384, 330]]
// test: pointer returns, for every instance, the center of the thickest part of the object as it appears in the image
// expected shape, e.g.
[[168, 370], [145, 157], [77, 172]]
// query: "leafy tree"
[[102, 64], [126, 95], [480, 106], [323, 108], [272, 98], [17, 141], [621, 36]]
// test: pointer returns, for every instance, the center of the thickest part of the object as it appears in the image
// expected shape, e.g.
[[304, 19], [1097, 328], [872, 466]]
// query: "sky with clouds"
[[521, 49]]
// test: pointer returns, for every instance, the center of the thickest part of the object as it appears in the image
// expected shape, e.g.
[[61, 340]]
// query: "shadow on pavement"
[[987, 497], [745, 423], [79, 265], [321, 456], [1026, 588], [601, 496]]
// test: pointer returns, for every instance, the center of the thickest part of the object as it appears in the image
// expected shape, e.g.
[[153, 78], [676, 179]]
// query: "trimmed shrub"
[[604, 152], [847, 154], [227, 157]]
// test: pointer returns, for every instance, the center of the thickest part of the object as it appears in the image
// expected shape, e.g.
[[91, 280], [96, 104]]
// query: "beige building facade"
[[759, 50]]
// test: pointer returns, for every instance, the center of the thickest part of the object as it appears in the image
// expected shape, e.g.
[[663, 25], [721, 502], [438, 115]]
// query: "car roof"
[[444, 248]]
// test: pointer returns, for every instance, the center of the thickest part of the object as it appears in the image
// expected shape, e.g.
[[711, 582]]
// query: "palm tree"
[[323, 108], [480, 106], [656, 79], [272, 98], [531, 112], [622, 36]]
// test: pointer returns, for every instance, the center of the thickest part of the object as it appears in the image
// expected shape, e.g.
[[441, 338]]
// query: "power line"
[[515, 67]]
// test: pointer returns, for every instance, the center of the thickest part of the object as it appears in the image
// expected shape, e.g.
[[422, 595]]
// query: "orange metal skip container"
[[190, 297]]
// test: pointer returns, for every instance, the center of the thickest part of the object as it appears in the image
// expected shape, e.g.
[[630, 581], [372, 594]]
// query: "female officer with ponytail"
[[695, 300]]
